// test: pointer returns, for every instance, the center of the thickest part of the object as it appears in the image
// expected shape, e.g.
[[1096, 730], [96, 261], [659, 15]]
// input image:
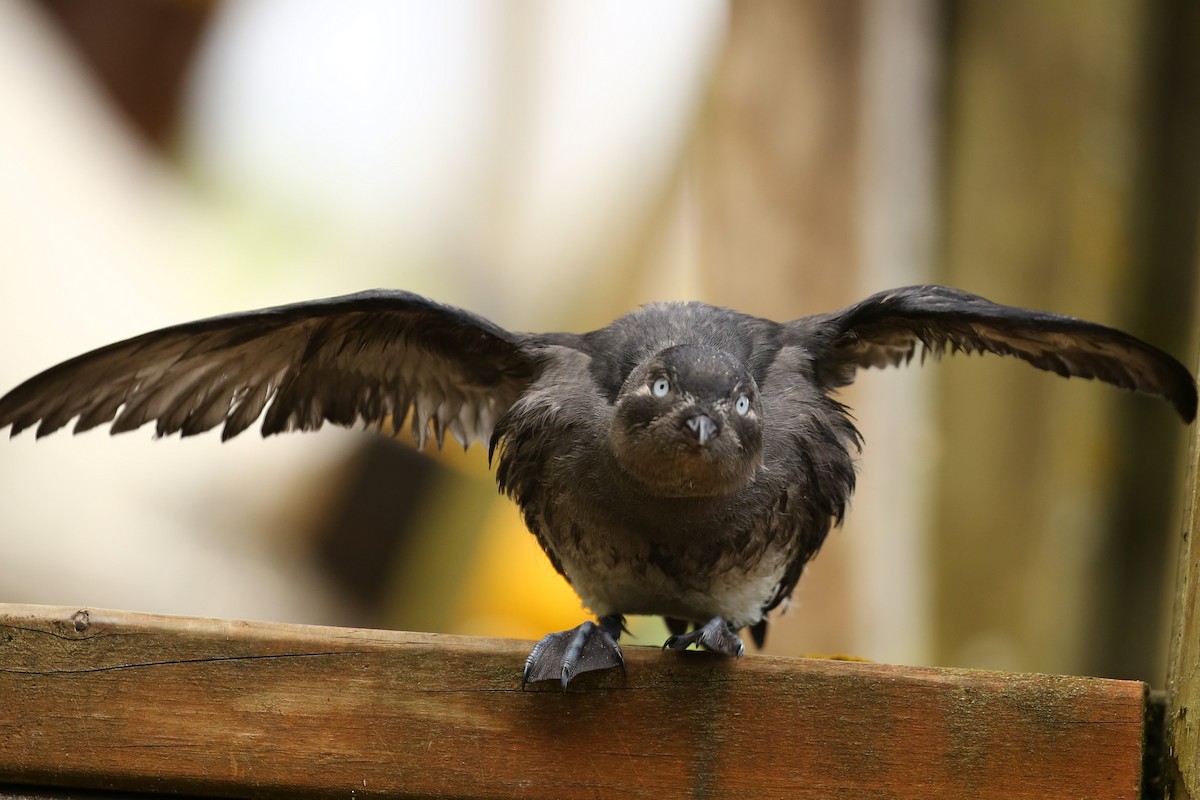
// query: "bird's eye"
[[742, 406], [660, 387]]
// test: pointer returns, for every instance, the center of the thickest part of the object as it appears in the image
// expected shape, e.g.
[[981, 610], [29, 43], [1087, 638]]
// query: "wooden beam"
[[117, 700]]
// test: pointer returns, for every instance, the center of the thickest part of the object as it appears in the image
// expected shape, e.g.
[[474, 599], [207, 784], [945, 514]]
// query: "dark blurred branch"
[[139, 51]]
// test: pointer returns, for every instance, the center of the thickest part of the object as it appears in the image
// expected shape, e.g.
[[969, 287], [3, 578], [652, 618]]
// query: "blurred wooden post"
[[776, 159], [1054, 498], [134, 702]]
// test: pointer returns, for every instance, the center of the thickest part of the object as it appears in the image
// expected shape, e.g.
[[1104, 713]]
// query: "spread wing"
[[886, 329], [369, 356]]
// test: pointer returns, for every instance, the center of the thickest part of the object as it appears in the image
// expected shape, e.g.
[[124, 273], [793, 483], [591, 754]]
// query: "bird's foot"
[[563, 655], [715, 635]]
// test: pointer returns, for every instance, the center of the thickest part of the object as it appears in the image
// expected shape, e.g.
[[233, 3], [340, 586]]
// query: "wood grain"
[[1183, 680], [117, 700]]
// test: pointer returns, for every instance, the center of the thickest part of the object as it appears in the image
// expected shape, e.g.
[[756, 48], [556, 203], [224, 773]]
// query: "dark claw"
[[758, 632], [715, 635], [565, 654]]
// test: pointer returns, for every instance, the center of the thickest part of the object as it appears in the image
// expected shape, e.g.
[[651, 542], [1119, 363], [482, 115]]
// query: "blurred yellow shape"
[[509, 588]]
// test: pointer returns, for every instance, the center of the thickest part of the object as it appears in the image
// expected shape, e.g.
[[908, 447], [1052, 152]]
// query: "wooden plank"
[[117, 700], [11, 792]]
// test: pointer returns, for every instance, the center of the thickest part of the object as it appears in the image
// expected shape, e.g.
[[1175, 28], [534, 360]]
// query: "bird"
[[685, 461]]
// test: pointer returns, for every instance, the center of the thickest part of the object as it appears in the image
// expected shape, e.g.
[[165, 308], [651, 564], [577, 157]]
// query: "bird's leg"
[[565, 654], [715, 635]]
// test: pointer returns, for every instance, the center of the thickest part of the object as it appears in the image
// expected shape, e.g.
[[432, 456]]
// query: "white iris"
[[660, 387], [742, 406]]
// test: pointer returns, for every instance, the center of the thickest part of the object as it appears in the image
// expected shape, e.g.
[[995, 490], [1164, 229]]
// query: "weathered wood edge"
[[118, 700], [1182, 735]]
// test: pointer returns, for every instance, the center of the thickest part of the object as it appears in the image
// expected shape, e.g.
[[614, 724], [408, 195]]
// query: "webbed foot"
[[563, 655], [715, 635]]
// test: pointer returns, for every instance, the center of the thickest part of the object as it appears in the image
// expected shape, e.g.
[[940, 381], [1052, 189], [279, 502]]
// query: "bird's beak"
[[702, 427]]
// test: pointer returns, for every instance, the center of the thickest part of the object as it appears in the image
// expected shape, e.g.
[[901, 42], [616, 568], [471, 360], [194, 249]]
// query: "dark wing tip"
[[1183, 396]]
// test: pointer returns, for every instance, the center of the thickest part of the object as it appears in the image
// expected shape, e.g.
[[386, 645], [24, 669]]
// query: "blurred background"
[[551, 165]]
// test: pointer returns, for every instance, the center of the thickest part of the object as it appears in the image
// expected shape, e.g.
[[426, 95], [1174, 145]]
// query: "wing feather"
[[369, 357], [887, 329]]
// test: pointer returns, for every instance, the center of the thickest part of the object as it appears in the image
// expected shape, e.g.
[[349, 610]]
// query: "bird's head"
[[688, 423]]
